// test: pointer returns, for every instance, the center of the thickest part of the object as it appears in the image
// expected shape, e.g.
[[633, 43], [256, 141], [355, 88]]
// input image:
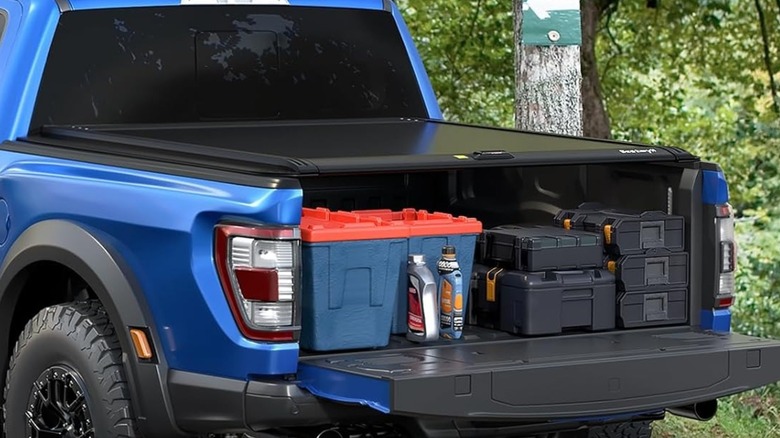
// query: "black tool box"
[[541, 303], [540, 248], [656, 267], [625, 232], [661, 306]]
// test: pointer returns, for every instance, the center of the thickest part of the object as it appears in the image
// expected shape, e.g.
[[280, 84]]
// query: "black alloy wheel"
[[57, 407]]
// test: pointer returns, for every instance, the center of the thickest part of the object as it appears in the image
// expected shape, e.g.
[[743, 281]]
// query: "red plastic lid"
[[323, 225], [423, 223]]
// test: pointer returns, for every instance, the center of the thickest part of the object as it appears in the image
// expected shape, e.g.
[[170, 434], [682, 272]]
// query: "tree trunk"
[[548, 81], [767, 56], [595, 118]]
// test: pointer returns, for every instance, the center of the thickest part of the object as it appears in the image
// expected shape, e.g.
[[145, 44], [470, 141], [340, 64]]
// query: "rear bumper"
[[209, 404]]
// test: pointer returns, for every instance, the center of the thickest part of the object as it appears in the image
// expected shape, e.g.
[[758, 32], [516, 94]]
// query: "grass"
[[754, 414]]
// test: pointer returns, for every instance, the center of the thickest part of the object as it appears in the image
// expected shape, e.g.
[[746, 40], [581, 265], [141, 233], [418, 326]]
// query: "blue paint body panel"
[[718, 320], [715, 189], [21, 75], [344, 387], [162, 226]]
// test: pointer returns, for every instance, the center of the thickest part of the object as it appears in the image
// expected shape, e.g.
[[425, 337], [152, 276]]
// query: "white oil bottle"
[[423, 316]]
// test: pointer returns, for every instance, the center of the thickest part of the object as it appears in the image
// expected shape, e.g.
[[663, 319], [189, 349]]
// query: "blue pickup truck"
[[156, 158]]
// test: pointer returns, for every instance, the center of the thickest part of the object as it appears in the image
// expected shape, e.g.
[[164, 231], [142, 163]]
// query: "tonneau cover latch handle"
[[492, 155]]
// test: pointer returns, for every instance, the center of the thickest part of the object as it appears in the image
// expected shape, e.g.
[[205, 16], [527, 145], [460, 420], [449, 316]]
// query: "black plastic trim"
[[92, 257], [64, 5], [706, 165], [688, 203], [53, 148], [210, 404]]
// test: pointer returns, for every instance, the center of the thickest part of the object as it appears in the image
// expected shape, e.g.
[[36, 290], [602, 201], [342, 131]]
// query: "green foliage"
[[691, 74], [467, 48], [749, 415], [757, 308]]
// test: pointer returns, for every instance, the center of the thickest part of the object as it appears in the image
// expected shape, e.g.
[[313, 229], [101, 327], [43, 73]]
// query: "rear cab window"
[[216, 63]]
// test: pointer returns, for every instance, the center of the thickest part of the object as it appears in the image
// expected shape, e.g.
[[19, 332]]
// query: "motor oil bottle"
[[421, 319], [450, 294]]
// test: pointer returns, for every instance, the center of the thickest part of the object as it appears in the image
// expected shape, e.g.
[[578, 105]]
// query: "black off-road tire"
[[636, 429], [64, 351]]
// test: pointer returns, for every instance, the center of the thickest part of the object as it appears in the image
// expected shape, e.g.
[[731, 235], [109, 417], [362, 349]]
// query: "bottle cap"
[[418, 259], [448, 250]]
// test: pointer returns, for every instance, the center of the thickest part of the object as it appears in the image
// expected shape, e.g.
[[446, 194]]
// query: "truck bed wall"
[[506, 195], [529, 195]]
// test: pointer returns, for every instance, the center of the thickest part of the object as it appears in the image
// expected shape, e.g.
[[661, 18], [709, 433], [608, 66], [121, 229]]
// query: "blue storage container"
[[350, 292], [351, 271]]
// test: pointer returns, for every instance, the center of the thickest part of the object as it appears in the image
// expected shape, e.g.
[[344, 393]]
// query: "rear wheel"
[[66, 379]]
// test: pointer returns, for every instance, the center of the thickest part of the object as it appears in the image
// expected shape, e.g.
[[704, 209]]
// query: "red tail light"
[[259, 271], [726, 255], [723, 303]]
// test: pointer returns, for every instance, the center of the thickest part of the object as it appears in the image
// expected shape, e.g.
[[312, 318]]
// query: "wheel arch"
[[89, 255]]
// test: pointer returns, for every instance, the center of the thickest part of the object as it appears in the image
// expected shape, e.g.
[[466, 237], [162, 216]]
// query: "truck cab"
[[167, 168]]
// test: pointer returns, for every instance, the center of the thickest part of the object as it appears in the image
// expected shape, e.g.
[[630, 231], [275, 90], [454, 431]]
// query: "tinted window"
[[187, 64]]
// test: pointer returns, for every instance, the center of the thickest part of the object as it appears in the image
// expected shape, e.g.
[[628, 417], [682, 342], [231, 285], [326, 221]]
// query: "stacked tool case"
[[646, 253], [537, 248], [541, 280], [626, 232]]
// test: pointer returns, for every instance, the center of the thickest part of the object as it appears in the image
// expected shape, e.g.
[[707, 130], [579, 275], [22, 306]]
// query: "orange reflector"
[[608, 234], [142, 348], [567, 224]]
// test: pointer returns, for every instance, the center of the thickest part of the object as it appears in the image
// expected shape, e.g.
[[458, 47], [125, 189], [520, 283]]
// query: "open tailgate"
[[553, 377]]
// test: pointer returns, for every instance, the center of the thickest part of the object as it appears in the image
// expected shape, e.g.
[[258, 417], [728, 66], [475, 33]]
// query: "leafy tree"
[[467, 47]]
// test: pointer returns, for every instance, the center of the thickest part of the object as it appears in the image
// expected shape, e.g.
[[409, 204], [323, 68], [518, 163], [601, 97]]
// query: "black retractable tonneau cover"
[[375, 145]]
